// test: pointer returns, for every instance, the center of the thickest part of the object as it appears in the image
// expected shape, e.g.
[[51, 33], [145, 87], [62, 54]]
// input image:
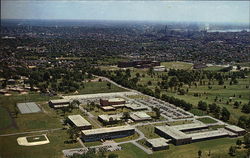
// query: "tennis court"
[[30, 107]]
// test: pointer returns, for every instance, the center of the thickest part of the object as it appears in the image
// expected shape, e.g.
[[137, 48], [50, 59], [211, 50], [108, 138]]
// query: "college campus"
[[125, 79]]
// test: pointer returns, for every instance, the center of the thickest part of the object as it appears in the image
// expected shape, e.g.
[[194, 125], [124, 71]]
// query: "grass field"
[[207, 120], [177, 65], [217, 148], [10, 149], [99, 87], [180, 122], [5, 119], [36, 138]]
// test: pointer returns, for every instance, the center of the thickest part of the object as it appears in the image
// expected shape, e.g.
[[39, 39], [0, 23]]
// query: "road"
[[90, 116]]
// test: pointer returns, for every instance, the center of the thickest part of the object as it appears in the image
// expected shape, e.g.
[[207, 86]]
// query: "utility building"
[[79, 122], [235, 129], [157, 144], [113, 101], [59, 103]]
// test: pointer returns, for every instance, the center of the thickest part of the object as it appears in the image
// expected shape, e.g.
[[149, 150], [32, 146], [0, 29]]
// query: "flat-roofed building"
[[107, 108], [159, 68], [107, 133], [207, 135], [140, 116], [79, 122], [59, 103], [190, 127], [177, 136], [110, 119], [136, 107], [157, 144], [113, 101], [235, 129]]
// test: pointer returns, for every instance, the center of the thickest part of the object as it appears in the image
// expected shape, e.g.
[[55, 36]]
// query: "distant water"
[[229, 30]]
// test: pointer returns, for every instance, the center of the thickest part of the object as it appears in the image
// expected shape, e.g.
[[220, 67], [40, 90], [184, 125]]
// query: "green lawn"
[[131, 151], [207, 120], [180, 122], [5, 119], [10, 149], [177, 65], [217, 147], [36, 138], [99, 87], [148, 131]]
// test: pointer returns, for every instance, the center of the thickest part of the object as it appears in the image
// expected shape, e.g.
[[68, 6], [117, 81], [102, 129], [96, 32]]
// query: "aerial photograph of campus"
[[124, 79]]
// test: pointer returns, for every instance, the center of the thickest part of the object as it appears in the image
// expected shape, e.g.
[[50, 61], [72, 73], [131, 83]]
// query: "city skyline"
[[162, 11]]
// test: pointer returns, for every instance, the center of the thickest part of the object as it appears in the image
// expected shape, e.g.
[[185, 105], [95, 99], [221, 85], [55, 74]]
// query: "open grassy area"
[[207, 120], [148, 131], [30, 122], [217, 148], [129, 150], [177, 65], [36, 138], [99, 87], [181, 122], [89, 144], [223, 94], [5, 119], [10, 149]]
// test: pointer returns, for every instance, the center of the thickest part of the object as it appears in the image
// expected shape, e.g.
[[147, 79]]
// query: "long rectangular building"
[[207, 135], [190, 127], [107, 133], [177, 136], [235, 129]]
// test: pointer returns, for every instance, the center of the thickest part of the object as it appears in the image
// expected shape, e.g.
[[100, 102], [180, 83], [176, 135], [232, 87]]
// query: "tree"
[[73, 133], [157, 112], [232, 151], [112, 156], [246, 108], [247, 140], [75, 103], [149, 83], [202, 105], [225, 114], [126, 116], [199, 153], [157, 92], [236, 104], [16, 111], [238, 143], [109, 85]]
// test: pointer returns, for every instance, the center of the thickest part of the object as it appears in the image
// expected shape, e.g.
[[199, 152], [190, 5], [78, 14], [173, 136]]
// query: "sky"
[[178, 11]]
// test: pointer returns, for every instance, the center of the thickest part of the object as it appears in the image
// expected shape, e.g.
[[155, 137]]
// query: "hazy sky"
[[198, 11]]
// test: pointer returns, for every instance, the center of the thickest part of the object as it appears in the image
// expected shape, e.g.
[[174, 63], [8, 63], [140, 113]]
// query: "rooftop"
[[172, 132], [29, 107], [79, 121], [116, 100], [136, 106], [140, 116], [207, 134], [107, 130], [190, 126], [158, 142], [59, 101], [235, 128], [107, 117]]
